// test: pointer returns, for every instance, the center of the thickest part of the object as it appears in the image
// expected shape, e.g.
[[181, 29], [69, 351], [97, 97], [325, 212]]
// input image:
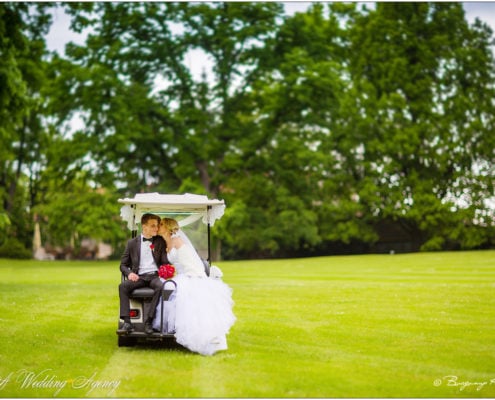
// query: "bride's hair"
[[171, 224]]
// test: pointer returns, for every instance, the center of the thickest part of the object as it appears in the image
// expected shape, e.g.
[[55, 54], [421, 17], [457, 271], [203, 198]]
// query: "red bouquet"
[[166, 271]]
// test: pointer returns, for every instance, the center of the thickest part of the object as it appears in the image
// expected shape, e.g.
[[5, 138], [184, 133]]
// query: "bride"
[[200, 309]]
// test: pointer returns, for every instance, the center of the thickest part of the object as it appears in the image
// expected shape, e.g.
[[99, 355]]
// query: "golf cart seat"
[[139, 293], [142, 293]]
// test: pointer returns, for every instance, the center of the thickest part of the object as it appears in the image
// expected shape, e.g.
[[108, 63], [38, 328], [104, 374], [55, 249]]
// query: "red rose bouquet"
[[166, 271]]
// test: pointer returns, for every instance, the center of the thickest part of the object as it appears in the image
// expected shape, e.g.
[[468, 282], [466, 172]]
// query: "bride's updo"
[[170, 224]]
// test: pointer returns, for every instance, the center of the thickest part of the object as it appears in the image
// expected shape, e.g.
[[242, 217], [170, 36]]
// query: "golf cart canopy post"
[[199, 206]]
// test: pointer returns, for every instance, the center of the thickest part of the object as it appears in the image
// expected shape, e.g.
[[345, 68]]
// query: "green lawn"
[[414, 325]]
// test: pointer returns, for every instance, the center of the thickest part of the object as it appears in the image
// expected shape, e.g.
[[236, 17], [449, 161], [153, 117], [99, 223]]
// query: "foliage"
[[414, 76], [22, 27], [4, 220], [79, 213], [316, 128], [14, 249], [175, 131], [326, 327]]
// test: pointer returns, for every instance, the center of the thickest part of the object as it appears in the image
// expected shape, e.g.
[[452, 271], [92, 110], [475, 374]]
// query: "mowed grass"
[[412, 325]]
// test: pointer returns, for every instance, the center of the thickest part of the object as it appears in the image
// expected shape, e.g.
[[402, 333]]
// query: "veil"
[[180, 233], [197, 259]]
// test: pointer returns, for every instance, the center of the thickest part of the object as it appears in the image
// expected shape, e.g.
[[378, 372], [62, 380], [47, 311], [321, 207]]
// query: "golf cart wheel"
[[125, 341]]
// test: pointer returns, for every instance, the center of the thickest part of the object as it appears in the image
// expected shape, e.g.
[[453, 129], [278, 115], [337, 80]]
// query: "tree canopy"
[[319, 129]]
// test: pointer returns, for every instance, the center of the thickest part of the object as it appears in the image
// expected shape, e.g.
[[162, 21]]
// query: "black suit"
[[130, 263]]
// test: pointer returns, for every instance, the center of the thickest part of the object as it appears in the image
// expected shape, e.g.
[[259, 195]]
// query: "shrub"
[[13, 248]]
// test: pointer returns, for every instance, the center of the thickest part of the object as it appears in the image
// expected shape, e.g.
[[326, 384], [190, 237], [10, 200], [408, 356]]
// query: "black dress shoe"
[[148, 328], [126, 328]]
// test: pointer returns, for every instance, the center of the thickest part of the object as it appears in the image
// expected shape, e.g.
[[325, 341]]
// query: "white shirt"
[[147, 263]]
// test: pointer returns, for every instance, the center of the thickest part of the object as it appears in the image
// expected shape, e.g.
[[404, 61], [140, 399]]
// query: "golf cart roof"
[[142, 203]]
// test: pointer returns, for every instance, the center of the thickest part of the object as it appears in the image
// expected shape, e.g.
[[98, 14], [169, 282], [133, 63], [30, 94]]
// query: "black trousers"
[[126, 288]]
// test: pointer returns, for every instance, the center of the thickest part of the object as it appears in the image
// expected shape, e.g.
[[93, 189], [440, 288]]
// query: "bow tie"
[[150, 239]]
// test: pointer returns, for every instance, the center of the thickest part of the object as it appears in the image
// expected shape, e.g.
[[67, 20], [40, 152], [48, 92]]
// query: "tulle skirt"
[[200, 313]]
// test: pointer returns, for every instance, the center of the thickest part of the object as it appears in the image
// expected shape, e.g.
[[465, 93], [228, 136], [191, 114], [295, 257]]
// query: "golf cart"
[[195, 215]]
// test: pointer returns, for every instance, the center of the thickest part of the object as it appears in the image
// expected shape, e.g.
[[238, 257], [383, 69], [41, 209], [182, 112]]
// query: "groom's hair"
[[146, 217]]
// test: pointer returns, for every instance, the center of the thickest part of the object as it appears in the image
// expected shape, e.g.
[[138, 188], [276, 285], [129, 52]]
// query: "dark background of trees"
[[341, 129]]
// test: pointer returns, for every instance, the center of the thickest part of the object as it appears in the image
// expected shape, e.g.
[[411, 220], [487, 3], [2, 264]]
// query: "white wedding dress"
[[199, 311]]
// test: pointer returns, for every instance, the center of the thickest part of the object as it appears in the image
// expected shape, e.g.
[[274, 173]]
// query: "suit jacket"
[[132, 254]]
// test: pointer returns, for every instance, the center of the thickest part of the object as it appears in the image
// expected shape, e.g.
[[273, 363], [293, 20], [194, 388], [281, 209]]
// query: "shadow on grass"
[[164, 344]]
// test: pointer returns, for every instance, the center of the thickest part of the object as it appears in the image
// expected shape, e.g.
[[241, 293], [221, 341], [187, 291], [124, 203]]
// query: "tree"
[[79, 212], [317, 128], [160, 137], [185, 135], [423, 126], [295, 156], [22, 26]]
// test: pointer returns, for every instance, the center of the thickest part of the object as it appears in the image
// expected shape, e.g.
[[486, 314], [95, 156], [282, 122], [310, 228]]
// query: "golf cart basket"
[[194, 213]]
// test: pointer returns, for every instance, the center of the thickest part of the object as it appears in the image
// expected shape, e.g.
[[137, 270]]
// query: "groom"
[[142, 257]]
